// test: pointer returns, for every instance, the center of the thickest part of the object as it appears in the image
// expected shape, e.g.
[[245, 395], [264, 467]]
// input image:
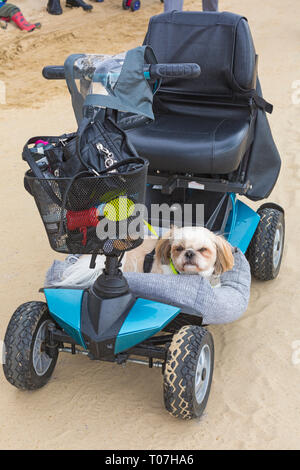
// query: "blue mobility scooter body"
[[209, 142], [146, 317]]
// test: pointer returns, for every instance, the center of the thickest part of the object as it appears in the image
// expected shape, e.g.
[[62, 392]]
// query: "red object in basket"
[[81, 220]]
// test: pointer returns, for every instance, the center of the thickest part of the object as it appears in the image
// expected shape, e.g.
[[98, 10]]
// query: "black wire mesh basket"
[[92, 214]]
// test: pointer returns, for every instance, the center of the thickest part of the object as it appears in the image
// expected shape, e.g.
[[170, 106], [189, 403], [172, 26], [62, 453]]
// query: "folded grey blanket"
[[192, 293]]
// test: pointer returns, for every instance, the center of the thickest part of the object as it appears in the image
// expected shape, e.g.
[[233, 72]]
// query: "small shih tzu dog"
[[192, 250], [187, 250]]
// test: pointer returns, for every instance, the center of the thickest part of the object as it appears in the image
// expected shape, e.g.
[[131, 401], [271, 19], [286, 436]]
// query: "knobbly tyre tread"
[[19, 340], [180, 370], [183, 319], [260, 251]]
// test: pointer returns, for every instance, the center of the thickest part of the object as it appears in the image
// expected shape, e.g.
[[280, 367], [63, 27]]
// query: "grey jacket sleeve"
[[195, 295]]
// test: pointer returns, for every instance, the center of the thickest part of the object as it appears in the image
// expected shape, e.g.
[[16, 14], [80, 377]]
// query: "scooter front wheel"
[[27, 364], [188, 372]]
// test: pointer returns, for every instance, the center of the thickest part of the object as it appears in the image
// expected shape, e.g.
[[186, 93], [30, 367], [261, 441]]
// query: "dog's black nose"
[[189, 254]]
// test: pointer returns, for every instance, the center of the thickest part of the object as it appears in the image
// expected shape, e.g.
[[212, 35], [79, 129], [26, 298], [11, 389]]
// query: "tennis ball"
[[118, 209]]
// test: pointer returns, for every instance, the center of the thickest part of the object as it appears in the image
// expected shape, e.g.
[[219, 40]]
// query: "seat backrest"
[[221, 43]]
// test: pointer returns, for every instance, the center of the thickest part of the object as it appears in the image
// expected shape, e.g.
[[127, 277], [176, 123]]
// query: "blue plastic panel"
[[65, 307], [241, 225], [144, 320]]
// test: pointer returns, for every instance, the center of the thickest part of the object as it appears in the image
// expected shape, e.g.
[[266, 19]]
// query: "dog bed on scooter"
[[192, 293]]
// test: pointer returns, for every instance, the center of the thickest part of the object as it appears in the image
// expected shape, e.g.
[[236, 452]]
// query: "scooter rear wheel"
[[266, 248], [26, 363]]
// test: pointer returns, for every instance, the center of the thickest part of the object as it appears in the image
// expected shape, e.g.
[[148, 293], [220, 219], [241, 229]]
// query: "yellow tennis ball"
[[118, 209]]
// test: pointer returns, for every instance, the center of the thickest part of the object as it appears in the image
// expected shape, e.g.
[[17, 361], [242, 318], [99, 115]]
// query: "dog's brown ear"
[[225, 260], [163, 248]]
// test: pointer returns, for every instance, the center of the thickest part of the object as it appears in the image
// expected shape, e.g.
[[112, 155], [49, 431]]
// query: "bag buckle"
[[109, 161], [109, 156]]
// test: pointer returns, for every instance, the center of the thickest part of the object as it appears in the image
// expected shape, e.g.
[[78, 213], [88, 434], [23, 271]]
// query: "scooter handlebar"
[[54, 72], [152, 72]]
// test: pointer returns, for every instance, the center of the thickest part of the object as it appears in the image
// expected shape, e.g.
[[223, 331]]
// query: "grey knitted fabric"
[[192, 293]]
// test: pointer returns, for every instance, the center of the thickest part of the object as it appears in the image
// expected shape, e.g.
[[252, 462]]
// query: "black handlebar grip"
[[54, 72], [174, 70], [57, 72]]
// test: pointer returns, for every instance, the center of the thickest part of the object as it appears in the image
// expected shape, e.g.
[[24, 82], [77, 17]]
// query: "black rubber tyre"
[[124, 5], [181, 375], [266, 248], [135, 5], [21, 347]]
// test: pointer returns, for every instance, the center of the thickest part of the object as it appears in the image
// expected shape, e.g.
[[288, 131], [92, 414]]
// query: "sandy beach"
[[255, 400]]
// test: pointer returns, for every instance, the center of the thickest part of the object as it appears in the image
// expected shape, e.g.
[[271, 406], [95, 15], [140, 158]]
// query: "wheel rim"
[[41, 360], [135, 5], [278, 244], [202, 373]]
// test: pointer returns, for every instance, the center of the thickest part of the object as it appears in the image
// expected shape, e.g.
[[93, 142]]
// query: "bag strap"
[[260, 102], [251, 93], [27, 156], [126, 161], [48, 138], [148, 261], [51, 139], [64, 200], [86, 121], [76, 96]]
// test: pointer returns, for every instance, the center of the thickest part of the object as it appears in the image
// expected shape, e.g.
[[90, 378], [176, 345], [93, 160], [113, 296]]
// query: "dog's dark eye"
[[179, 248], [202, 250]]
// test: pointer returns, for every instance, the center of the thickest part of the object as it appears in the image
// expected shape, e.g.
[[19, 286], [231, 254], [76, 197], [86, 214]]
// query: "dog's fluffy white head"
[[195, 250]]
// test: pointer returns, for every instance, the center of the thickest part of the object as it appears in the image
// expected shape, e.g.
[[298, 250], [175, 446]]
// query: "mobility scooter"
[[210, 142]]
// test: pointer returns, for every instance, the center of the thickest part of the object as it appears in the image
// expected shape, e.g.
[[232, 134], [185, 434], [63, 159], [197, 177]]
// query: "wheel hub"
[[277, 247], [202, 373], [40, 359]]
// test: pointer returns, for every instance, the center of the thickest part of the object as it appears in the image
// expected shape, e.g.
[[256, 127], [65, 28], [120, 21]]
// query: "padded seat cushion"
[[193, 144], [220, 43]]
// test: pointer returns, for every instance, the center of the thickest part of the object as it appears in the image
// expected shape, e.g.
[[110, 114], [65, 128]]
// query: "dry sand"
[[255, 400]]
